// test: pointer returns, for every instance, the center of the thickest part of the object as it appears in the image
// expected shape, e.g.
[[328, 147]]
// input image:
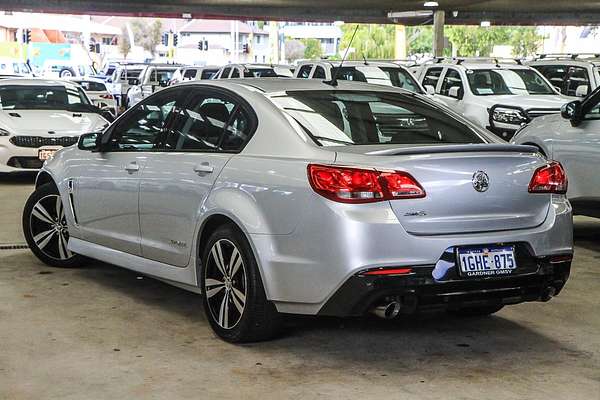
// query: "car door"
[[578, 149], [211, 127], [453, 97], [107, 184]]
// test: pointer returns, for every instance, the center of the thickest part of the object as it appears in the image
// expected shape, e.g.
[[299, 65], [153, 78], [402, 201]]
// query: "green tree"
[[525, 41], [147, 35], [371, 41], [419, 39], [124, 42], [479, 41], [312, 49]]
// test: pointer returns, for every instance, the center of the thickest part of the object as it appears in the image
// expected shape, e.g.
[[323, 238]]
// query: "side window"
[[189, 74], [432, 76], [210, 122], [225, 73], [594, 113], [319, 73], [235, 73], [304, 71], [577, 76], [452, 79], [556, 74], [142, 129]]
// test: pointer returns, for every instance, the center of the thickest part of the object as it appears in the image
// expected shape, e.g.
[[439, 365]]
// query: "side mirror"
[[558, 89], [572, 112], [90, 141], [454, 92], [430, 90], [582, 91]]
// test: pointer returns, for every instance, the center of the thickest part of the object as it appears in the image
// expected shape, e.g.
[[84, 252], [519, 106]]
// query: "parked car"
[[152, 78], [39, 117], [377, 72], [293, 196], [574, 75], [98, 93], [233, 71], [14, 67], [573, 138], [122, 79], [184, 74], [500, 96], [66, 69]]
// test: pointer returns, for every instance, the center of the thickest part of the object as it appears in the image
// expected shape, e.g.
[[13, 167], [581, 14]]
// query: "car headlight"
[[509, 116], [4, 132]]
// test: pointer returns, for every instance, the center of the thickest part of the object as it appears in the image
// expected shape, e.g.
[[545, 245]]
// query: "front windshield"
[[22, 97], [334, 118], [390, 76], [260, 73], [488, 82]]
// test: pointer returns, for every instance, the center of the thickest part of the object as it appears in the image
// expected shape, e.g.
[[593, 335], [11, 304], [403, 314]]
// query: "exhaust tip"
[[387, 311]]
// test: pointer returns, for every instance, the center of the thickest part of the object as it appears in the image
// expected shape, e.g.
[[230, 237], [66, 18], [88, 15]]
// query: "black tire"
[[45, 228], [480, 311], [66, 73], [258, 319]]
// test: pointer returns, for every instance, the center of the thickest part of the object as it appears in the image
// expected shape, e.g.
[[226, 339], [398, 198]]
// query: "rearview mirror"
[[582, 91], [430, 90], [572, 112], [90, 141], [454, 92]]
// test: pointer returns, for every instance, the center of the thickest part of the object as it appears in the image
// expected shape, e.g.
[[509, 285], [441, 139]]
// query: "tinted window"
[[304, 71], [208, 73], [348, 74], [556, 74], [209, 123], [452, 79], [235, 73], [336, 118], [577, 76], [92, 86], [189, 74], [319, 73], [226, 73], [142, 128], [432, 76], [260, 73], [401, 78]]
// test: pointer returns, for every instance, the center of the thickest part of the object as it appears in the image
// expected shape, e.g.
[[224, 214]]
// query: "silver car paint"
[[306, 246], [577, 148]]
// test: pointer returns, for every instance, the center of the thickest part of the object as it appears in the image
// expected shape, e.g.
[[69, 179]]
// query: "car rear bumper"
[[420, 291]]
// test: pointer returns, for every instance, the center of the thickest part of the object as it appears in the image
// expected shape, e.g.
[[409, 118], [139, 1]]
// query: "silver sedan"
[[274, 196]]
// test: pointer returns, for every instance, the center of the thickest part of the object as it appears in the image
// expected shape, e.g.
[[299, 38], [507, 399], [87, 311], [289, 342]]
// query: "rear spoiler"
[[457, 148]]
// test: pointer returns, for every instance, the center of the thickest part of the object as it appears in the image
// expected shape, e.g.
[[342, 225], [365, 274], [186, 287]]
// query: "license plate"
[[486, 261], [46, 154]]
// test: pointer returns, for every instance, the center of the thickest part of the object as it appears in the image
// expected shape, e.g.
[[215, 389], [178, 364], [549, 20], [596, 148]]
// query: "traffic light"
[[95, 48], [245, 48], [26, 36], [175, 39], [165, 39], [203, 45]]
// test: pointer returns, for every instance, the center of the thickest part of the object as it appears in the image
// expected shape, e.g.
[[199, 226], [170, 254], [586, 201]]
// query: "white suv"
[[573, 74], [233, 71], [184, 74], [499, 96], [152, 79], [376, 72]]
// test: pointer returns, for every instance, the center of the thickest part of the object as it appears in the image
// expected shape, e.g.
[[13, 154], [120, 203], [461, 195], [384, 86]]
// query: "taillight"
[[550, 178], [357, 185], [106, 96]]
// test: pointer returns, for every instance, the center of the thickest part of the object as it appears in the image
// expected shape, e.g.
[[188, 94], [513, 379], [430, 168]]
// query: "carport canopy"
[[407, 12]]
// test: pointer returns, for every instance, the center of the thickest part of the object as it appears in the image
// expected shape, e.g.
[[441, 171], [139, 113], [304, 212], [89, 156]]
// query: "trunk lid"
[[447, 173]]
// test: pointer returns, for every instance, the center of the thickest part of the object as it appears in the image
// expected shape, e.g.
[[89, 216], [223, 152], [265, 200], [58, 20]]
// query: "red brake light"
[[356, 185], [106, 96], [550, 178], [388, 271]]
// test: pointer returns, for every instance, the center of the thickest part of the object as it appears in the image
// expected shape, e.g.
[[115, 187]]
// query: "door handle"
[[204, 168], [132, 167]]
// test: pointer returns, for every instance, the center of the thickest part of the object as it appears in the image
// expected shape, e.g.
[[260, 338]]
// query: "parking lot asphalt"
[[102, 332]]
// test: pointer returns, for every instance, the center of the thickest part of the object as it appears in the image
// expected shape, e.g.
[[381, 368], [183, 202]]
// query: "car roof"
[[36, 82], [85, 79], [278, 85], [354, 63]]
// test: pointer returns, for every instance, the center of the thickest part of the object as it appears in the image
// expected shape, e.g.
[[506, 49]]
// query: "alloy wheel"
[[49, 228], [225, 283]]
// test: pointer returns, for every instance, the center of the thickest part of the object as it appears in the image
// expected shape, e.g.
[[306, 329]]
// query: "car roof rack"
[[488, 60], [565, 56]]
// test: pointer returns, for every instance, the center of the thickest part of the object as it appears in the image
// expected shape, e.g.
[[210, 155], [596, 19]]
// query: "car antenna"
[[365, 60], [333, 81]]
